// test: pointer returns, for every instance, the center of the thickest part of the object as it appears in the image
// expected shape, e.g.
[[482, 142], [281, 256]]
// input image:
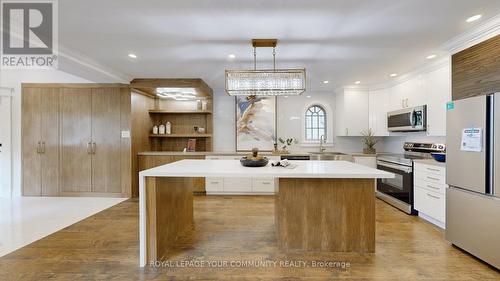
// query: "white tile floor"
[[27, 219]]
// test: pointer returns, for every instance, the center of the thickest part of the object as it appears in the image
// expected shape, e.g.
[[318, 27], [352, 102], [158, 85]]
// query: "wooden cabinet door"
[[49, 105], [106, 135], [31, 138], [75, 122]]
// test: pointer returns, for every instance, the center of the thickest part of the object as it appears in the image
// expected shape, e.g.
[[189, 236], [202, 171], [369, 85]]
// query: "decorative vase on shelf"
[[155, 130], [168, 128], [161, 129]]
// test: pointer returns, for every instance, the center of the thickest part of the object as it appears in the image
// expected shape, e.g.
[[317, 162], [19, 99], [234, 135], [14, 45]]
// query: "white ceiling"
[[341, 41]]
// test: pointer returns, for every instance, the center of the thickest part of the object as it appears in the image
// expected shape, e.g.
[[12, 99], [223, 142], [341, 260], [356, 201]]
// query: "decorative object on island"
[[191, 146], [254, 160], [265, 82], [255, 123], [285, 143], [370, 141]]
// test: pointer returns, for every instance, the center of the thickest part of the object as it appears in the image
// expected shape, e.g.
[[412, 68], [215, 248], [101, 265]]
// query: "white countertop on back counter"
[[233, 168]]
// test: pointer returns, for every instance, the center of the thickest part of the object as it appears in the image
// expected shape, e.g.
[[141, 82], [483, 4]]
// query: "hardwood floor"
[[105, 247]]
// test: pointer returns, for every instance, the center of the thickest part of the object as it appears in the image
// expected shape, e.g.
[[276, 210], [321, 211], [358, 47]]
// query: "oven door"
[[399, 188]]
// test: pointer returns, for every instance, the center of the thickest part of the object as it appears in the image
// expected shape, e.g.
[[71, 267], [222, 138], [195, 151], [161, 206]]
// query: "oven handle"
[[395, 167]]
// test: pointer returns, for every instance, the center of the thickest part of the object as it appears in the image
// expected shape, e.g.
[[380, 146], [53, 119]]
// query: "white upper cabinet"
[[351, 116], [438, 92], [379, 105], [409, 93]]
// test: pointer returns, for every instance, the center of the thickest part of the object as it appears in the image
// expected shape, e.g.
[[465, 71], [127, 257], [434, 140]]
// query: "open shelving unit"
[[183, 115]]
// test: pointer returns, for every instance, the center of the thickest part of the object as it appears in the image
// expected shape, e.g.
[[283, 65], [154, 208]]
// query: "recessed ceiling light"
[[326, 82], [430, 56], [231, 56], [308, 96], [357, 82], [286, 96], [132, 56], [393, 74], [473, 18]]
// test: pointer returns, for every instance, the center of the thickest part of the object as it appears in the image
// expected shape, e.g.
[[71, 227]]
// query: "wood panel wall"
[[141, 126], [476, 70]]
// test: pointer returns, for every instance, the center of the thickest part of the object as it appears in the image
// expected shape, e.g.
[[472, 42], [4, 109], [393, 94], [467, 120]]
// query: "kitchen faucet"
[[321, 141]]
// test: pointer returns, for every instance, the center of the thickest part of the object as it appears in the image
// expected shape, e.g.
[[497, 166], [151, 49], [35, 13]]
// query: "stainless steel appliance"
[[408, 119], [473, 176], [399, 190]]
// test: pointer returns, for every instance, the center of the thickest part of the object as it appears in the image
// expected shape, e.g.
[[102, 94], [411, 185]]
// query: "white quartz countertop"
[[233, 168]]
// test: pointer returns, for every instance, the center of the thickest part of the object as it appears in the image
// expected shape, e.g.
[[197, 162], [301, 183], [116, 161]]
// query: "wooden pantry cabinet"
[[91, 156]]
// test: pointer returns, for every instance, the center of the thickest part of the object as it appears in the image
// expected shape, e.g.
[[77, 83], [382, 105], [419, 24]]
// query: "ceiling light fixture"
[[133, 56], [326, 82], [357, 82], [308, 97], [265, 82], [430, 56], [177, 93], [473, 18], [231, 56], [393, 74]]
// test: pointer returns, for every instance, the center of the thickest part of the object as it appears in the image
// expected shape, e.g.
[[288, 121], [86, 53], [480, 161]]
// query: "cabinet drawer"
[[263, 184], [213, 157], [436, 187], [430, 178], [430, 169], [237, 184], [214, 184], [430, 203]]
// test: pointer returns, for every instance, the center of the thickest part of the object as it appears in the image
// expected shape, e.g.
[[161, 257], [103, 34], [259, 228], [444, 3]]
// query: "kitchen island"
[[319, 205]]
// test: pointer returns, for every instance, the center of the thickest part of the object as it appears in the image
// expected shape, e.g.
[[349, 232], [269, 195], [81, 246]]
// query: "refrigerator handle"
[[490, 144]]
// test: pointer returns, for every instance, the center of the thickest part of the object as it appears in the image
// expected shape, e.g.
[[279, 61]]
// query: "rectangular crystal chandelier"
[[265, 82], [286, 82]]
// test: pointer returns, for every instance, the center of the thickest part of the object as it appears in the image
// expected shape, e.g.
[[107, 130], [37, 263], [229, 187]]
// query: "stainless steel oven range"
[[398, 191]]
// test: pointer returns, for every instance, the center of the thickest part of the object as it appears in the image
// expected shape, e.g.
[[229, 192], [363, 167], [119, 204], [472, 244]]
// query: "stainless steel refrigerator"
[[473, 176]]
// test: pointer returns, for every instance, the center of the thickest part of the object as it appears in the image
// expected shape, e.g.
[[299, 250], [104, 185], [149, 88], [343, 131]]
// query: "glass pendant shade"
[[274, 82]]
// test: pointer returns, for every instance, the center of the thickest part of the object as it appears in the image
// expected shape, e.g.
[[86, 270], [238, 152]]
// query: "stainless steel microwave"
[[408, 119]]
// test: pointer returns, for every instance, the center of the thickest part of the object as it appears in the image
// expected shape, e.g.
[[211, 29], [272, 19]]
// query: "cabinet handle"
[[406, 102], [38, 148], [88, 148], [434, 170], [346, 131], [432, 196], [214, 182], [433, 187], [93, 147], [43, 147], [266, 182], [402, 103], [431, 178]]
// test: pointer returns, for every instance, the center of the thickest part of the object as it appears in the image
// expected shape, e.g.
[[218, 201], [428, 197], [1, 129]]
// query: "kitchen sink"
[[331, 156]]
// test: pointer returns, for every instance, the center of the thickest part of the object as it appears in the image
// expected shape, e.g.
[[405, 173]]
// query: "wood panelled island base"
[[322, 206], [327, 215]]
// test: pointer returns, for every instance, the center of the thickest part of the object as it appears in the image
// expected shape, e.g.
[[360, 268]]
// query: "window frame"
[[318, 129]]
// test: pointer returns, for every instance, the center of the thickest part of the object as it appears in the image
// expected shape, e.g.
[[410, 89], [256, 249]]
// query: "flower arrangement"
[[370, 141], [284, 143]]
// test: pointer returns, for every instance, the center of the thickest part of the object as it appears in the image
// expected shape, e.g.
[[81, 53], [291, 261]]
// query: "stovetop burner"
[[413, 151]]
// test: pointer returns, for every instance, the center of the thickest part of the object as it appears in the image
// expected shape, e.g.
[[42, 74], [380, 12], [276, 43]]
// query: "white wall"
[[290, 113], [13, 79]]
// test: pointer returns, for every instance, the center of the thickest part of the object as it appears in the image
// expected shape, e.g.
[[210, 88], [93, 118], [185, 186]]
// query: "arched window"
[[315, 123]]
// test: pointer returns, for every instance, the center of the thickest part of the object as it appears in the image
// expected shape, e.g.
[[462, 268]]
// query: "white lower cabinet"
[[430, 192], [369, 161], [239, 185]]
